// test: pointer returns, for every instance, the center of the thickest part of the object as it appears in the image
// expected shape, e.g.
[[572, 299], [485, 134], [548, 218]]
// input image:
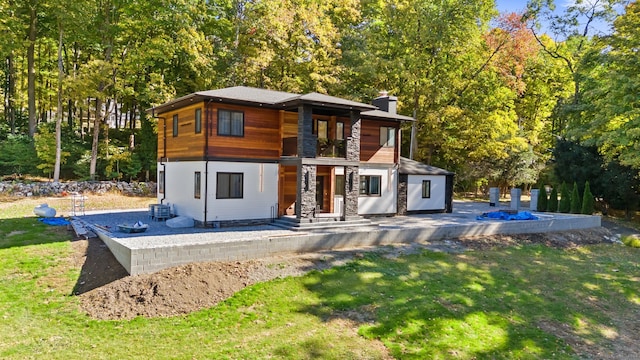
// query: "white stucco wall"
[[415, 201], [179, 188], [387, 202], [260, 192]]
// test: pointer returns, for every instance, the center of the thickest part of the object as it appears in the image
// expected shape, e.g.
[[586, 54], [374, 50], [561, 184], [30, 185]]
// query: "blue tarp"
[[54, 221], [502, 215]]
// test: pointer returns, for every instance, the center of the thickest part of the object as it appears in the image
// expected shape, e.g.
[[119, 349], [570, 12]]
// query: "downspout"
[[164, 153], [207, 116]]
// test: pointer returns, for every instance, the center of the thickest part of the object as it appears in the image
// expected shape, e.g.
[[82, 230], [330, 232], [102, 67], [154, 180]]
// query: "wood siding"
[[261, 138], [370, 149], [286, 188], [187, 144]]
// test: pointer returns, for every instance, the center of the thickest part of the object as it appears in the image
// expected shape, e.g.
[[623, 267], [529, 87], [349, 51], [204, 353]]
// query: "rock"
[[180, 222]]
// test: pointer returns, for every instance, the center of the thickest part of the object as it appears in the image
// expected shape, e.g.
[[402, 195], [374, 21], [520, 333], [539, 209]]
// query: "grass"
[[529, 302], [11, 207]]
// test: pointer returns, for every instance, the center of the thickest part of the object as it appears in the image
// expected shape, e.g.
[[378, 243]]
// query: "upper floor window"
[[198, 121], [370, 185], [229, 185], [230, 123], [323, 129], [197, 184], [339, 130], [175, 125], [426, 189], [387, 136]]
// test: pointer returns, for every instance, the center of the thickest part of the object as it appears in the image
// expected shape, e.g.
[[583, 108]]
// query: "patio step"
[[321, 223]]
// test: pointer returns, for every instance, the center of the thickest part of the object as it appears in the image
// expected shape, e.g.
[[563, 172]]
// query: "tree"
[[576, 205], [552, 205], [542, 198], [587, 200], [565, 199]]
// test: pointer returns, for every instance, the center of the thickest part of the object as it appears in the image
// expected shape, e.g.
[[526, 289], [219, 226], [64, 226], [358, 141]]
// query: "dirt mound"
[[107, 293]]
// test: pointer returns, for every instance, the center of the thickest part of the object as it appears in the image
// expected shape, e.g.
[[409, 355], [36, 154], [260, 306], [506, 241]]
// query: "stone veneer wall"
[[20, 189], [402, 194]]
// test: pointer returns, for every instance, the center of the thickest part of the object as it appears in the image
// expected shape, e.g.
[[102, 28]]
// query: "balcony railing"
[[331, 148], [324, 147]]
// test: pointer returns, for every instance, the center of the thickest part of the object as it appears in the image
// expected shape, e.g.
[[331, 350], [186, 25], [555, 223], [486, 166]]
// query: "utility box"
[[515, 198], [534, 199], [494, 196]]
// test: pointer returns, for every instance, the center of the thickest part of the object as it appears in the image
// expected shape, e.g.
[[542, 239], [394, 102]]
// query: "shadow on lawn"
[[517, 303], [29, 231]]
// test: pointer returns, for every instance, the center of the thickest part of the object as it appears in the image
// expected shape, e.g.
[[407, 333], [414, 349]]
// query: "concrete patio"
[[162, 247]]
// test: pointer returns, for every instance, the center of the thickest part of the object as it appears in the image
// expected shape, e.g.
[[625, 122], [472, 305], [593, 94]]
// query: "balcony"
[[332, 148]]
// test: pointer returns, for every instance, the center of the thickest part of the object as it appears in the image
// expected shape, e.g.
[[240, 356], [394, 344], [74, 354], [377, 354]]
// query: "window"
[[198, 121], [161, 182], [387, 136], [370, 185], [229, 185], [323, 129], [230, 123], [339, 185], [196, 185], [339, 130], [426, 189], [175, 125]]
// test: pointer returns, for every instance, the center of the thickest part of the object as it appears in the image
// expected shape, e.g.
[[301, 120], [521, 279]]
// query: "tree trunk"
[[56, 169], [94, 144], [11, 92], [31, 81]]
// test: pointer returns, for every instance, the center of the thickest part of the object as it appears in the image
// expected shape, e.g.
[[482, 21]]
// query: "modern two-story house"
[[247, 155]]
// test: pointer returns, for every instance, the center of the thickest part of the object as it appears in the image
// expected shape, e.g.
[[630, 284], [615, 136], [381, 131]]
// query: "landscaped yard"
[[515, 302]]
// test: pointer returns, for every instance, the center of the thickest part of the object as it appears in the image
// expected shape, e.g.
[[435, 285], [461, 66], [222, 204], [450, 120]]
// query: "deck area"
[[162, 247]]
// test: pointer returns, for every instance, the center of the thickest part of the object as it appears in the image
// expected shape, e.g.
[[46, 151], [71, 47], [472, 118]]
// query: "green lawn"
[[520, 302]]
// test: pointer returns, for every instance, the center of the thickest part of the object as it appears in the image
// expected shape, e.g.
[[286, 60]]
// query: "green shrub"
[[588, 202], [576, 203], [542, 198], [565, 199], [552, 204], [631, 241]]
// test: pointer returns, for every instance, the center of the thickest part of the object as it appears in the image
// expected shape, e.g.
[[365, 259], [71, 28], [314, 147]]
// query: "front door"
[[319, 192]]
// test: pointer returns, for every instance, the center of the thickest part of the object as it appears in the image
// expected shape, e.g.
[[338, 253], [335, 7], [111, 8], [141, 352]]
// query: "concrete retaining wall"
[[148, 260]]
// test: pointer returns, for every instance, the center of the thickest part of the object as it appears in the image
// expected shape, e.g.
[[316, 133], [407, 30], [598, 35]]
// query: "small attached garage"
[[424, 188]]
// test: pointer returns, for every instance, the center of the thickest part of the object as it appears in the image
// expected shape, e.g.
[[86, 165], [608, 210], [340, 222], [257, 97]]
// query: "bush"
[[576, 203], [588, 202], [542, 198], [631, 240], [552, 204], [565, 199]]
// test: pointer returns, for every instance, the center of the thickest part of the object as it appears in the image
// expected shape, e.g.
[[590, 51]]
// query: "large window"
[[230, 123], [339, 185], [161, 182], [370, 185], [175, 125], [197, 184], [387, 136], [323, 129], [198, 121], [426, 189], [339, 130], [229, 185]]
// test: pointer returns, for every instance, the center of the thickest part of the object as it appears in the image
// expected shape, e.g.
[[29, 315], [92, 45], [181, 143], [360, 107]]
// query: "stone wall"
[[20, 189]]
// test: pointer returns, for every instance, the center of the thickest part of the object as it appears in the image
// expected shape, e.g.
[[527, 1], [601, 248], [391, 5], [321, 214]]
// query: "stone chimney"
[[385, 102]]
